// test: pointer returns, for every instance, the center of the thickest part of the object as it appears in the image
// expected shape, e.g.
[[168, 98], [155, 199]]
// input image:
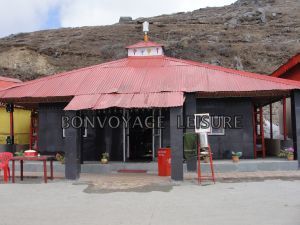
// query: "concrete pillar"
[[72, 146], [295, 108], [190, 107], [176, 141]]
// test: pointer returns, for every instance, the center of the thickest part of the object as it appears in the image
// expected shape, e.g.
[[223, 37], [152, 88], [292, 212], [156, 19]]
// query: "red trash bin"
[[164, 161]]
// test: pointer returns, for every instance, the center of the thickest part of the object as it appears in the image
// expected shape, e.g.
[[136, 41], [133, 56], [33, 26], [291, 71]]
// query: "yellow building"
[[21, 126], [22, 118]]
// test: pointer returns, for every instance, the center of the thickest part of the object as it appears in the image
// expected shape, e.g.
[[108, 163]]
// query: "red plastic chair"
[[4, 164]]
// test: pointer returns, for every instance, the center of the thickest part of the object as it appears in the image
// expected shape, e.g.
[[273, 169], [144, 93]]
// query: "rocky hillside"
[[252, 35]]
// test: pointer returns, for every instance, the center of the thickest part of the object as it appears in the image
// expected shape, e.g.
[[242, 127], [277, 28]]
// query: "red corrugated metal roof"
[[6, 82], [8, 79], [145, 100], [287, 66], [145, 44], [145, 75]]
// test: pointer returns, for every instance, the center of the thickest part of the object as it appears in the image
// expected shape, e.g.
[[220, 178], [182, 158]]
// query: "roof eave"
[[292, 62]]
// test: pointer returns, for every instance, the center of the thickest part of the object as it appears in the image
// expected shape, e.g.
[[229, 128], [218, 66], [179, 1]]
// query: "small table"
[[43, 158]]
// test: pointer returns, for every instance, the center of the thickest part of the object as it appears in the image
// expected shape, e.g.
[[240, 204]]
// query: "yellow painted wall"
[[21, 126]]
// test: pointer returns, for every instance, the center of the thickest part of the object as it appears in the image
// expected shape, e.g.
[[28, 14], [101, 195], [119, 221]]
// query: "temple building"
[[149, 84]]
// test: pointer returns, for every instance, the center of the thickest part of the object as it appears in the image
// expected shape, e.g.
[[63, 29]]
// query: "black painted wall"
[[234, 139], [98, 140], [103, 139], [89, 145], [50, 138], [110, 140]]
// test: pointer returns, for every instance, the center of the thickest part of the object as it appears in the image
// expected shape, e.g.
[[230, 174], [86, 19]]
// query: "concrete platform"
[[221, 166], [251, 165], [133, 200]]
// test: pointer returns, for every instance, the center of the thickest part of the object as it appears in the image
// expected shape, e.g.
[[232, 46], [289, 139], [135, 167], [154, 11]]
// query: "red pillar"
[[271, 122], [284, 119]]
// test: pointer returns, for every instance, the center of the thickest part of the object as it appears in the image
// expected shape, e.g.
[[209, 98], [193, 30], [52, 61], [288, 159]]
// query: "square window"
[[217, 127]]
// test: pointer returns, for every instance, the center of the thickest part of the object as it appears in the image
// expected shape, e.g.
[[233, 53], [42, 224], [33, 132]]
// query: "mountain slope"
[[251, 35]]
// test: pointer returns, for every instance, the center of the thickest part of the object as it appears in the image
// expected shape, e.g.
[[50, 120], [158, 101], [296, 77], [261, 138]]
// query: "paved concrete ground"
[[148, 199]]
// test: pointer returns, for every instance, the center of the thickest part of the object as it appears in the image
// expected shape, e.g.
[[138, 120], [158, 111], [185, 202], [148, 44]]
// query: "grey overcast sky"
[[29, 15]]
